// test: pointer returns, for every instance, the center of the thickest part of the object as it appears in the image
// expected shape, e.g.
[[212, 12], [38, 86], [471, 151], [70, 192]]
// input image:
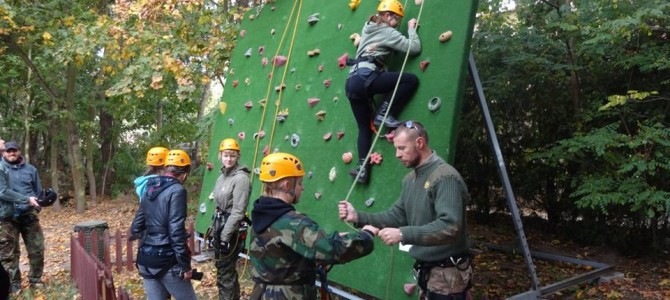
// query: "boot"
[[391, 122], [365, 172]]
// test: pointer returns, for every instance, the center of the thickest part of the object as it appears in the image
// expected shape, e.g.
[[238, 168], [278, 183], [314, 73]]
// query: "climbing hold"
[[252, 17], [332, 174], [339, 26], [266, 150], [282, 115], [445, 36], [376, 158], [320, 115], [292, 70], [317, 195], [320, 68], [280, 87], [356, 38], [434, 104], [241, 135], [261, 50], [353, 4], [326, 83], [327, 136], [342, 60], [409, 288], [295, 140], [369, 202], [210, 166], [336, 98], [257, 171], [340, 134], [231, 122], [313, 101], [297, 87], [262, 102], [235, 83], [347, 157], [423, 65], [273, 31], [279, 60], [314, 52], [310, 174], [243, 33], [259, 135], [223, 107], [231, 72], [270, 75], [312, 19], [248, 105], [389, 136], [247, 81], [286, 137], [418, 2], [264, 61], [248, 53]]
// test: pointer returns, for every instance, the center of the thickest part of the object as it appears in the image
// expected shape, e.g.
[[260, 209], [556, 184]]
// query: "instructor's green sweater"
[[430, 211]]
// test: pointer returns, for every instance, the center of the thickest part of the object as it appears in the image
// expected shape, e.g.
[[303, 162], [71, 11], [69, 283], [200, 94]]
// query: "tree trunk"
[[90, 144], [53, 154], [107, 142], [74, 150], [201, 113]]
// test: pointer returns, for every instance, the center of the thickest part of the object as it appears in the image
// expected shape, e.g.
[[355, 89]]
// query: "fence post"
[[129, 252], [119, 250], [107, 255]]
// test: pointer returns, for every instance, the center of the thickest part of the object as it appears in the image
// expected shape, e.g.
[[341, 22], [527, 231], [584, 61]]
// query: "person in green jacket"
[[231, 193], [9, 231], [286, 246], [429, 215]]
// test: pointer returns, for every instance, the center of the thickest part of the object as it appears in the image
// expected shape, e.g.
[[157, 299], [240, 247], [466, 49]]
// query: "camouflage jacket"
[[286, 247], [8, 197]]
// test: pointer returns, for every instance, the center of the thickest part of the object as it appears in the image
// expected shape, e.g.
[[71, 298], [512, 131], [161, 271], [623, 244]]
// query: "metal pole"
[[502, 170]]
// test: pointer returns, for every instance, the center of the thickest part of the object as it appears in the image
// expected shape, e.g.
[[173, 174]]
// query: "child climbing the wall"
[[368, 76]]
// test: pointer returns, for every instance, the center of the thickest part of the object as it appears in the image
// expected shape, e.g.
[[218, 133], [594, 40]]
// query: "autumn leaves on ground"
[[498, 275]]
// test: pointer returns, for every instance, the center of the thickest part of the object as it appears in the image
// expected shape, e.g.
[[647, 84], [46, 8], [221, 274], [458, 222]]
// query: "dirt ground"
[[497, 274]]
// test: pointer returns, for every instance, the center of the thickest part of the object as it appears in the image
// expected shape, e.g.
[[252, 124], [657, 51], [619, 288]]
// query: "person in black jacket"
[[163, 257]]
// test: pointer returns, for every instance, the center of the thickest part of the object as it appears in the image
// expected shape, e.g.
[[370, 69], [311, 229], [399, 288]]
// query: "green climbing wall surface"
[[281, 28]]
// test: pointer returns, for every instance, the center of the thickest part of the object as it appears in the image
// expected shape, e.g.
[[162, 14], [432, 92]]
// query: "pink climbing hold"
[[347, 157], [409, 288], [235, 83], [342, 60], [261, 50], [248, 105], [241, 135], [313, 101], [340, 134], [264, 61], [320, 68], [243, 33], [266, 150], [326, 83], [423, 65], [376, 158], [279, 60], [389, 136], [327, 136]]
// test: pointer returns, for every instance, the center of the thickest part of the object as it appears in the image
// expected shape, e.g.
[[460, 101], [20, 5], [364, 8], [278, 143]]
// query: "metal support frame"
[[536, 291]]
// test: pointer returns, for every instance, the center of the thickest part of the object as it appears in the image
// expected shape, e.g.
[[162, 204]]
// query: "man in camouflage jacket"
[[286, 246]]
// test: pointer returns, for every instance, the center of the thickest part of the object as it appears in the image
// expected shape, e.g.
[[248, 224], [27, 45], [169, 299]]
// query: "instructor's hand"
[[347, 211], [412, 23]]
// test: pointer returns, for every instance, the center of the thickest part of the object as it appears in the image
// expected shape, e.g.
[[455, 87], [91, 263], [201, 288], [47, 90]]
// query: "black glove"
[[226, 248]]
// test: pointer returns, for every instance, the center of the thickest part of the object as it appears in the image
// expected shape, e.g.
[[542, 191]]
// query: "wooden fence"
[[94, 277]]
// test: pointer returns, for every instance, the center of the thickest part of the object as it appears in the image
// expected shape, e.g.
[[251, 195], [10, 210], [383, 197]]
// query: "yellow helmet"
[[156, 156], [229, 144], [178, 158], [280, 165], [393, 6]]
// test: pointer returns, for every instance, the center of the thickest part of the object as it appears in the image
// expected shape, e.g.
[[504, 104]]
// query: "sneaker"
[[37, 284], [390, 122], [365, 176]]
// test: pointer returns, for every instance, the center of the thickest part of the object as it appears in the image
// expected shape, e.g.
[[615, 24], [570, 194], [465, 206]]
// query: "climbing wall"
[[285, 92]]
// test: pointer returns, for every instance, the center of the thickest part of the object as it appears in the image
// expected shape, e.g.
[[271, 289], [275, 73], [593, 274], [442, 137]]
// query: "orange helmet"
[[178, 158], [156, 156], [280, 165], [229, 144], [393, 6]]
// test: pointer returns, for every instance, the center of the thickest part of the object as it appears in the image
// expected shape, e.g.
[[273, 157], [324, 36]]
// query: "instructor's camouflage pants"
[[9, 236], [33, 237]]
